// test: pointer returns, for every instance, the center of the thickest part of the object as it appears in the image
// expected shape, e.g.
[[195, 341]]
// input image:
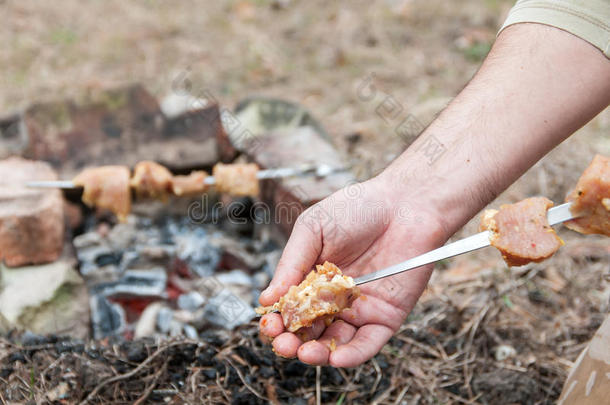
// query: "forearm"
[[537, 86]]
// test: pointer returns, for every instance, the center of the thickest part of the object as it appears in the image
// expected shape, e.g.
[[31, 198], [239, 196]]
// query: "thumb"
[[299, 256]]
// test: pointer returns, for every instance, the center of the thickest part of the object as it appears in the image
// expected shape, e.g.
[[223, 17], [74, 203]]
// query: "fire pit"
[[175, 269]]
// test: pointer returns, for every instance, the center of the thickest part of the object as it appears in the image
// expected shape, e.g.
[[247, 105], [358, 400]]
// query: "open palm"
[[360, 229]]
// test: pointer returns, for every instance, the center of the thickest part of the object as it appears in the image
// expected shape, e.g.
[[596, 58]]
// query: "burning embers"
[[165, 278]]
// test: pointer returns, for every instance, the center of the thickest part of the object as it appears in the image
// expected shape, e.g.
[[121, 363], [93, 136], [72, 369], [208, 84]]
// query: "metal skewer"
[[304, 170], [555, 215]]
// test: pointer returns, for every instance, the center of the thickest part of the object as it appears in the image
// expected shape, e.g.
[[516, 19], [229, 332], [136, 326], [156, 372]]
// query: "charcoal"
[[175, 328], [32, 339], [209, 373], [267, 372], [190, 332], [227, 310], [88, 256], [195, 249], [107, 318], [108, 258], [5, 372], [206, 357], [17, 356], [235, 277], [164, 319], [190, 301], [137, 353], [136, 283]]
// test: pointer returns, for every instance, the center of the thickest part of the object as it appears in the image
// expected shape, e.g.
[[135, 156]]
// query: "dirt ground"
[[481, 334]]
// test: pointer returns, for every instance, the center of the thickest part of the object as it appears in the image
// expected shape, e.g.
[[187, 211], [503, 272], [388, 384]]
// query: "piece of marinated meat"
[[106, 187], [324, 293], [151, 180], [239, 179], [591, 199], [521, 231], [191, 184], [487, 220]]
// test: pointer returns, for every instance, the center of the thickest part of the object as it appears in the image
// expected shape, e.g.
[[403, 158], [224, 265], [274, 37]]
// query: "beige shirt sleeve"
[[587, 19]]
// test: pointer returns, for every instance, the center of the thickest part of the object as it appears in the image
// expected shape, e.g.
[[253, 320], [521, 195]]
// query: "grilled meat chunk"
[[191, 184], [151, 180], [324, 293], [238, 179], [106, 187]]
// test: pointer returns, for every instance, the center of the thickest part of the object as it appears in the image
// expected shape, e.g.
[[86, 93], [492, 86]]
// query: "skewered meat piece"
[[191, 184], [151, 180], [238, 179], [106, 187], [591, 199], [324, 293], [521, 231]]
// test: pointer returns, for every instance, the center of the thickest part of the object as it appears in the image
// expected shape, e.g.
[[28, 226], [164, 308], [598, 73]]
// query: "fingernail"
[[266, 292]]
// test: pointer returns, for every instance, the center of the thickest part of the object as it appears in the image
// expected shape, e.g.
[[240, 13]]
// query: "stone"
[[112, 126], [73, 215], [5, 326], [503, 352], [195, 135], [31, 220], [45, 299], [288, 197], [258, 116]]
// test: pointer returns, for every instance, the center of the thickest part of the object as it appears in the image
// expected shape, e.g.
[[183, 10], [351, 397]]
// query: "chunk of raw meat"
[[591, 199], [521, 231]]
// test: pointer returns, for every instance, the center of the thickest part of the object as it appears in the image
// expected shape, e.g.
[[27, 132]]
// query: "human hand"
[[362, 228]]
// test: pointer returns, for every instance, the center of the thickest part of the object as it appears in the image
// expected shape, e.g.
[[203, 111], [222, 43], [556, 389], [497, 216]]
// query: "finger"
[[271, 325], [286, 345], [312, 332], [316, 352], [368, 309], [366, 343], [299, 256]]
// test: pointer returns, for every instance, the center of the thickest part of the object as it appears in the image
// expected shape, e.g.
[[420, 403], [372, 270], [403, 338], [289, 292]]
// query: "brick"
[[292, 148], [117, 126], [31, 220]]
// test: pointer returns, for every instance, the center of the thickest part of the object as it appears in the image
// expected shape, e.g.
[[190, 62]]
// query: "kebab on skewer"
[[110, 187], [520, 231], [323, 294]]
